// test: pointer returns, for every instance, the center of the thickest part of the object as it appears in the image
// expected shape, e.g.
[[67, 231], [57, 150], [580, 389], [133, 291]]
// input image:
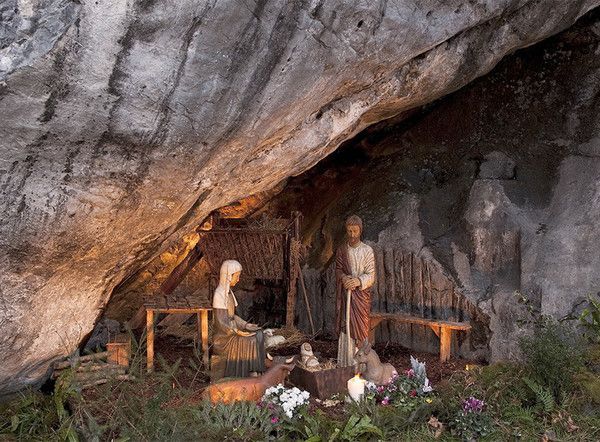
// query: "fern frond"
[[543, 395]]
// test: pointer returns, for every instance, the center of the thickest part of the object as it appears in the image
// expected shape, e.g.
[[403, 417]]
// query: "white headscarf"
[[228, 268]]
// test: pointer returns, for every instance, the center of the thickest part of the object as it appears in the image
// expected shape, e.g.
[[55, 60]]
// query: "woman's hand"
[[252, 327]]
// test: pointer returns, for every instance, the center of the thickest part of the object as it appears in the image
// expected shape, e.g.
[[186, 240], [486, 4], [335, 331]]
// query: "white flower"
[[426, 387], [286, 398]]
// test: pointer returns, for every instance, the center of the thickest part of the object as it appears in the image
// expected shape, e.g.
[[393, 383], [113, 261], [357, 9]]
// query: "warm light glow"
[[356, 387]]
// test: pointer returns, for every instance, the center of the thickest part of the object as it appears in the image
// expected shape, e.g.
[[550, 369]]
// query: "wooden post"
[[291, 283], [150, 339], [289, 239], [445, 343], [204, 325]]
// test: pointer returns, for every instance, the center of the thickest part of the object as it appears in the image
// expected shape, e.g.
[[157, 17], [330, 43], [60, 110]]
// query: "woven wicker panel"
[[261, 254]]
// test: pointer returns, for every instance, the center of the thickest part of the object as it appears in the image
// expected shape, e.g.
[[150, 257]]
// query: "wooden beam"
[[436, 329], [204, 336], [186, 310], [80, 359], [138, 319], [173, 319], [150, 340], [445, 343], [180, 272], [401, 317]]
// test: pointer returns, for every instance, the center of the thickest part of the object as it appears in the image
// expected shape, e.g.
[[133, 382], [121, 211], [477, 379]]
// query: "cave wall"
[[124, 124], [497, 186]]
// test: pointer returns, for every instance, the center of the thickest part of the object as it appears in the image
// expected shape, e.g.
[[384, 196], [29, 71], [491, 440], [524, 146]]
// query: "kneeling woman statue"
[[238, 345]]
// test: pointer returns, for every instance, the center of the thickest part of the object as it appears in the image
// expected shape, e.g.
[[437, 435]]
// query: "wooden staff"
[[348, 293], [310, 318]]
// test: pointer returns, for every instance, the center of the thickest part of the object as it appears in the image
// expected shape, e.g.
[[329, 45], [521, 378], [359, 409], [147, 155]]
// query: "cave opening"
[[468, 186]]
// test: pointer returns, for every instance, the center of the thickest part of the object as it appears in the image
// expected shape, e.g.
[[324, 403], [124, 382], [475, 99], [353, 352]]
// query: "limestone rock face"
[[125, 123], [497, 184]]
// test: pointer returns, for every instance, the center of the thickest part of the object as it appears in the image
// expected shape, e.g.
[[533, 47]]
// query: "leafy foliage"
[[519, 404], [590, 319], [552, 356], [239, 421], [355, 428], [314, 426], [543, 395], [38, 417], [471, 426]]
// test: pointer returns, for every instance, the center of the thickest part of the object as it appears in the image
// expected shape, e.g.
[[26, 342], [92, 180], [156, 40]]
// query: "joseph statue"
[[355, 274]]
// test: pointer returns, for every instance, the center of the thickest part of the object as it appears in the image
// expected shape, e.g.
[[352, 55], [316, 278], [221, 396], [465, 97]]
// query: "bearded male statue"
[[355, 274]]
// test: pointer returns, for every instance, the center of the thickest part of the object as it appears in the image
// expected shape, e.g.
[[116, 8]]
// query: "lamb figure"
[[272, 340], [375, 371]]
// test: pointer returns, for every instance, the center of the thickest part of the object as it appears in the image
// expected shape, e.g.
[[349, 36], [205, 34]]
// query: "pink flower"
[[274, 419], [380, 389], [409, 373], [473, 405], [412, 393], [385, 401]]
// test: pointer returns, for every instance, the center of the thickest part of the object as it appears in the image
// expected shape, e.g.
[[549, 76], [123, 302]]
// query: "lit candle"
[[356, 387]]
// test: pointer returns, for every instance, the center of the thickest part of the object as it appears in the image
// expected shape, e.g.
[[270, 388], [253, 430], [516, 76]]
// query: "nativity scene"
[[287, 220]]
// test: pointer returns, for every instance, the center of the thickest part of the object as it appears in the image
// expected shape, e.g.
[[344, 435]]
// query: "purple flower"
[[380, 389], [274, 419], [385, 401], [473, 405]]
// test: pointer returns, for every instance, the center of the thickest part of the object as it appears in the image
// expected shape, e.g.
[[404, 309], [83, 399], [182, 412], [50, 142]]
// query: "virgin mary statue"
[[238, 345]]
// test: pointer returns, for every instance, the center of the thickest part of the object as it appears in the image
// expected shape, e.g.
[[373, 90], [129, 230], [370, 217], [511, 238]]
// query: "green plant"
[[408, 391], [313, 426], [552, 355], [355, 428], [590, 320], [472, 421], [239, 421], [35, 416], [543, 395], [471, 426]]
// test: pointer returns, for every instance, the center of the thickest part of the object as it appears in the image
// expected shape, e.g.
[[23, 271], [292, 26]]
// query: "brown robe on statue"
[[360, 301]]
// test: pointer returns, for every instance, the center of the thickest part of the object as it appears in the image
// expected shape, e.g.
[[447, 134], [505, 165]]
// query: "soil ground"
[[192, 376]]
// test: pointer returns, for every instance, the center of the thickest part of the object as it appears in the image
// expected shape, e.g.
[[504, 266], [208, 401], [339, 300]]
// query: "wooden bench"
[[442, 329]]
